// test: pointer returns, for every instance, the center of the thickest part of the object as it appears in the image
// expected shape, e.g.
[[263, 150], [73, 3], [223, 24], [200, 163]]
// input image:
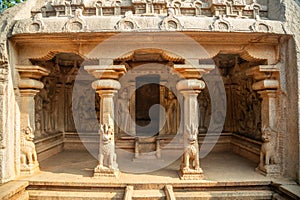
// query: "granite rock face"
[[251, 46]]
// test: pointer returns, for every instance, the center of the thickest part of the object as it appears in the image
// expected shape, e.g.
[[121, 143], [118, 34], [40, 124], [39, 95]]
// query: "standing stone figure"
[[268, 148], [123, 111], [203, 104], [47, 108], [28, 152], [191, 150], [107, 155], [171, 116]]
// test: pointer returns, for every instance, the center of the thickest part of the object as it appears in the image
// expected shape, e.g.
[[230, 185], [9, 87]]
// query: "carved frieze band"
[[153, 15], [131, 22]]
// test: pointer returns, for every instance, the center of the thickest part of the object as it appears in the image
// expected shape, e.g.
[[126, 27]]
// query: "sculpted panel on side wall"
[[243, 103], [55, 103]]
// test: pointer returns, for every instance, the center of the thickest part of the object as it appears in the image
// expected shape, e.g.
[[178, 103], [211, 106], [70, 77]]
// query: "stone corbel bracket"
[[106, 71], [193, 72], [171, 23], [266, 77], [127, 23], [32, 71], [221, 24]]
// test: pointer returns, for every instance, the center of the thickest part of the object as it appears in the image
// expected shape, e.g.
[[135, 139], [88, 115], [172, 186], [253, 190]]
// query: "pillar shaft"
[[106, 87], [190, 166], [27, 108], [269, 108], [29, 86], [267, 85]]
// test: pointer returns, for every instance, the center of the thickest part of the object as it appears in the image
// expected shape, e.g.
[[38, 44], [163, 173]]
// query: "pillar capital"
[[193, 72], [190, 86], [106, 85], [30, 87], [29, 84], [267, 84], [32, 71], [263, 72], [106, 71]]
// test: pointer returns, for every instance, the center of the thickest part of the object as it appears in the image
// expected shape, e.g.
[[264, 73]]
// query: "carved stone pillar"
[[190, 88], [29, 86], [106, 87], [267, 85]]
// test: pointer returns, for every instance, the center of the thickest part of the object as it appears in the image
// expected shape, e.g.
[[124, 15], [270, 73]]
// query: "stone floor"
[[77, 166]]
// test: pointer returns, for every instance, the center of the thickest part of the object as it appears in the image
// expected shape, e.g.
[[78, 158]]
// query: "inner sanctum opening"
[[147, 95]]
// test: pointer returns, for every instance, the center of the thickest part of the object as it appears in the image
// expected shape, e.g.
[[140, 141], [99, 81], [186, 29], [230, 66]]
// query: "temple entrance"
[[147, 95]]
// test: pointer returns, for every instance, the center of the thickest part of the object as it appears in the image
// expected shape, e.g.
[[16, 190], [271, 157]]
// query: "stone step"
[[225, 195], [148, 194], [73, 195]]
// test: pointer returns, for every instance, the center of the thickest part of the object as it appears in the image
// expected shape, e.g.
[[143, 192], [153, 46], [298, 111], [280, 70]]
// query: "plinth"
[[190, 174], [106, 172], [29, 169], [269, 170]]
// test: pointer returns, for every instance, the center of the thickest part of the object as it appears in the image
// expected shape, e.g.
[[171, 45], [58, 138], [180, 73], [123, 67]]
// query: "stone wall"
[[291, 16], [9, 108]]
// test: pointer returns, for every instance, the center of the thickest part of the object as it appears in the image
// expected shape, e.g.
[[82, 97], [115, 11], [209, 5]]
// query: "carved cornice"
[[134, 23]]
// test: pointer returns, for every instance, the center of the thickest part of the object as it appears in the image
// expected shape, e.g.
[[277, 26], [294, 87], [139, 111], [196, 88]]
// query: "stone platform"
[[69, 175]]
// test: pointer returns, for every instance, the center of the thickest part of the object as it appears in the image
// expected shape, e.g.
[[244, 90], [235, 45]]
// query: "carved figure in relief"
[[38, 114], [171, 116], [28, 152], [268, 148], [47, 108], [123, 111], [203, 104], [191, 151], [107, 155]]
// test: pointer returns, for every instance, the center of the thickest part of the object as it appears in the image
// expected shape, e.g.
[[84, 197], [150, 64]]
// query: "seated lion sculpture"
[[268, 148], [107, 156], [28, 152], [191, 151]]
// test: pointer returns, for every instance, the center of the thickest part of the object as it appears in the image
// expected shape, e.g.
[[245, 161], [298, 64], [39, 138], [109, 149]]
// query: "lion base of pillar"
[[269, 170], [29, 170], [190, 174], [106, 172]]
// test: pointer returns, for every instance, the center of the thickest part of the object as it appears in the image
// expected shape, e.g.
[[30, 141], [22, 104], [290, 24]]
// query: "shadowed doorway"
[[147, 95]]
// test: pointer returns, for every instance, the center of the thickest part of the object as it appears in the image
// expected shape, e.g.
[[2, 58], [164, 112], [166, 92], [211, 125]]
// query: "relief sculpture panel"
[[59, 106]]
